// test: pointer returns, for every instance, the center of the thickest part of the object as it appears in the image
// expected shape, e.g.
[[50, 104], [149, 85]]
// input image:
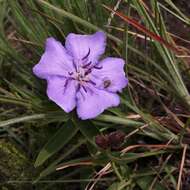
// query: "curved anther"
[[86, 56], [87, 72], [96, 67], [92, 82], [70, 73], [88, 64]]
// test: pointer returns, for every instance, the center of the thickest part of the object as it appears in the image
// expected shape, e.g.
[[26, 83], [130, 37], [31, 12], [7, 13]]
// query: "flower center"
[[81, 76], [83, 68]]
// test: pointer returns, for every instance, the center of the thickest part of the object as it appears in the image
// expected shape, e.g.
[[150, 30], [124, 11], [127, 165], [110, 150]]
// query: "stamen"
[[65, 85], [78, 87], [86, 65], [96, 67], [87, 72], [74, 65], [78, 90], [92, 82], [90, 90], [70, 73], [86, 55], [84, 89], [82, 95]]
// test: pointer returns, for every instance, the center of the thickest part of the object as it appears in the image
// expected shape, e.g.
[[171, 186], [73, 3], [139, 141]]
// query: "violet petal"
[[113, 72], [90, 105], [88, 46], [54, 61], [62, 91]]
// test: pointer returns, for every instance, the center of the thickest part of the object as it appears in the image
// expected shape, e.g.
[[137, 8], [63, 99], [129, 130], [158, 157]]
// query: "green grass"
[[154, 108]]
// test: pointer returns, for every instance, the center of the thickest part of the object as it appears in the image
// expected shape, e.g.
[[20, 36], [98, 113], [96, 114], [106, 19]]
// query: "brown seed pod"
[[116, 138], [102, 141], [112, 140]]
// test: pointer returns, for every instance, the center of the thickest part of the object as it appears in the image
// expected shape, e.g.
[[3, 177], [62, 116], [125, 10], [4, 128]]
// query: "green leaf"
[[21, 119], [119, 185], [119, 120], [145, 182], [59, 139], [87, 128], [75, 144], [76, 162]]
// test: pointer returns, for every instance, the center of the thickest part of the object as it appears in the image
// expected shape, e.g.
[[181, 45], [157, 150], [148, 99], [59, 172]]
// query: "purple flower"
[[76, 78]]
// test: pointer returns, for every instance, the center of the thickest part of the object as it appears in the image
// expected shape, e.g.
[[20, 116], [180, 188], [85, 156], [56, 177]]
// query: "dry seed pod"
[[116, 139], [112, 140], [102, 141]]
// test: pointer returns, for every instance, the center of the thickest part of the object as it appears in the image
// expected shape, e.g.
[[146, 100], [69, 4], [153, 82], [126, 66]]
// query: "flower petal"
[[110, 76], [62, 91], [91, 103], [54, 61], [89, 46]]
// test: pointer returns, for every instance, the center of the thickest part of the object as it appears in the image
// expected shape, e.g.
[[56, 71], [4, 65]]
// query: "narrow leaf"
[[87, 128], [143, 29], [59, 139]]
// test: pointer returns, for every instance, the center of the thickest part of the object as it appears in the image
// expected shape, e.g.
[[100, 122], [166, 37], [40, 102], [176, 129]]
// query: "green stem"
[[116, 171]]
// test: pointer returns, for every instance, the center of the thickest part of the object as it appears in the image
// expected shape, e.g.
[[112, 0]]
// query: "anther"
[[74, 65], [96, 67], [92, 82], [66, 83], [78, 87], [86, 55], [70, 73], [87, 65], [87, 72], [84, 89]]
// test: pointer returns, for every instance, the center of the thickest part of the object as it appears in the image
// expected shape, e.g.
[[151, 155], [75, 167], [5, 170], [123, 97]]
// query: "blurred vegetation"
[[154, 111]]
